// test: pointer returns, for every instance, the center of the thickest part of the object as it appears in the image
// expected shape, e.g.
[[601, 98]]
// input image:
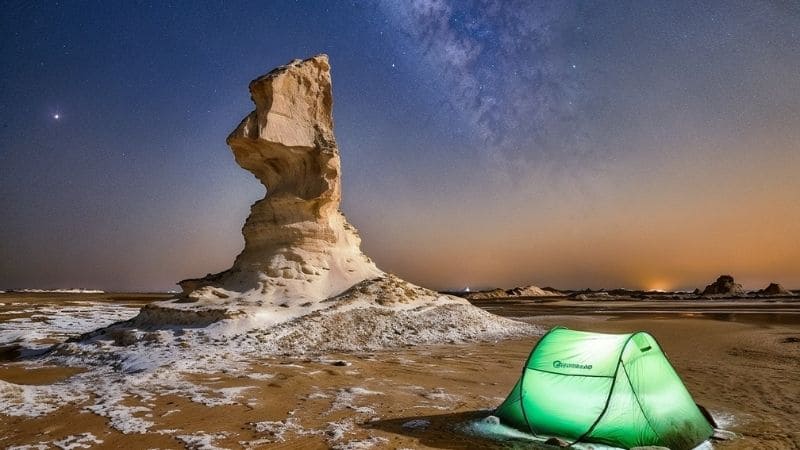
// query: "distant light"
[[574, 66], [658, 286], [393, 65], [56, 116]]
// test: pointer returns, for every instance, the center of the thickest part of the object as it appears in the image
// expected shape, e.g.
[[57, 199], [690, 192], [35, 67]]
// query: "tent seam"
[[636, 396], [522, 378]]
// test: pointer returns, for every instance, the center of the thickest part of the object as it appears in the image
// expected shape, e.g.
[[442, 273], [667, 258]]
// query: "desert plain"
[[737, 357]]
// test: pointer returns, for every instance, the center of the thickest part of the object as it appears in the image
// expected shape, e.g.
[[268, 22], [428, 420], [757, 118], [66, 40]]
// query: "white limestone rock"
[[302, 260]]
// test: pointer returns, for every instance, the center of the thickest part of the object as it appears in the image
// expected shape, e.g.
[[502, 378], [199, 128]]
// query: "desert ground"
[[739, 358]]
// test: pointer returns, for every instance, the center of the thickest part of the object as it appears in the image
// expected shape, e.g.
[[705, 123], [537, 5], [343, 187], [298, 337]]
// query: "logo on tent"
[[569, 365]]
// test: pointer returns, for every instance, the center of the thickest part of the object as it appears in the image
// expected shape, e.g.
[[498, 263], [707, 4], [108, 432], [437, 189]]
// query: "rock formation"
[[298, 245], [301, 258], [774, 290], [724, 286]]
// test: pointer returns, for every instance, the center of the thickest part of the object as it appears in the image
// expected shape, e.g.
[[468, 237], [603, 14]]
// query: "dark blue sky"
[[483, 142]]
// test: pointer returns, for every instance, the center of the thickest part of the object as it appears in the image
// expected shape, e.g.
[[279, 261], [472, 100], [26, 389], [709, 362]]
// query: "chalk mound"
[[521, 291], [531, 291], [389, 312], [375, 314], [301, 281]]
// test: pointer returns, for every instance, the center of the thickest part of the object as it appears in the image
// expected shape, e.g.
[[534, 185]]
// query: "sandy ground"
[[743, 366]]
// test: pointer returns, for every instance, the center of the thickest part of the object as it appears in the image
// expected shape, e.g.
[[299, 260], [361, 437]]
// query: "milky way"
[[505, 66]]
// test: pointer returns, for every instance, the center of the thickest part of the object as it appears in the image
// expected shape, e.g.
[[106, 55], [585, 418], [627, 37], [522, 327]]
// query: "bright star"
[[393, 65], [56, 116]]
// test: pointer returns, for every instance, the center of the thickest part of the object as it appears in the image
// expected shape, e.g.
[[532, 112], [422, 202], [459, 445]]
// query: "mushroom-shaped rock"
[[298, 245], [724, 286]]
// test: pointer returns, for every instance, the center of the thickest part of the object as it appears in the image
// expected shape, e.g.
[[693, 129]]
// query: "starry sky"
[[641, 144]]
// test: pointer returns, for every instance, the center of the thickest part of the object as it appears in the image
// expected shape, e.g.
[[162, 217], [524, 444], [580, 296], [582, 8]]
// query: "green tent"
[[613, 389]]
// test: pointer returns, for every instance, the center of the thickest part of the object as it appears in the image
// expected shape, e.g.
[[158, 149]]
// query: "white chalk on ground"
[[201, 440]]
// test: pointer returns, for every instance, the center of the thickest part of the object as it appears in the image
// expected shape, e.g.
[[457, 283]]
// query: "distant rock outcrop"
[[590, 295], [724, 286], [522, 291], [774, 290], [530, 291], [302, 259], [484, 295]]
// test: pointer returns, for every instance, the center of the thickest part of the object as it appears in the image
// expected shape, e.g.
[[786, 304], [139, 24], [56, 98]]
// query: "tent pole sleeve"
[[610, 392], [636, 396], [522, 377]]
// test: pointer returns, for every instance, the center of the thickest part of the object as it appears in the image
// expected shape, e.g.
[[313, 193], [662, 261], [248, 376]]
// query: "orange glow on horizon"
[[658, 286]]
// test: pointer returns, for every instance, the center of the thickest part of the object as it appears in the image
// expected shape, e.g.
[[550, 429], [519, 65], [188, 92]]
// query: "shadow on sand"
[[450, 431]]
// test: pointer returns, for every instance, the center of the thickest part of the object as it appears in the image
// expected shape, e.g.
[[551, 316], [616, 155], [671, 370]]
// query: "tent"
[[613, 389]]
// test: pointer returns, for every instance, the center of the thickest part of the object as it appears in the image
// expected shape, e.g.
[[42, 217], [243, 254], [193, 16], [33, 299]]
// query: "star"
[[393, 66], [56, 116]]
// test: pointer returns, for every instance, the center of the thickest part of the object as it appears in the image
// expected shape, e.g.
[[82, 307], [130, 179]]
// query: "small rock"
[[153, 337], [491, 420], [723, 435], [124, 337], [557, 442], [417, 424], [220, 294]]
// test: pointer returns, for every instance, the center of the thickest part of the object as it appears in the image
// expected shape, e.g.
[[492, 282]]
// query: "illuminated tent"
[[613, 389]]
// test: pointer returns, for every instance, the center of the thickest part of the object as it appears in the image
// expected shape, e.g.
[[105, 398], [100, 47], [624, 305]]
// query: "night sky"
[[643, 144]]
